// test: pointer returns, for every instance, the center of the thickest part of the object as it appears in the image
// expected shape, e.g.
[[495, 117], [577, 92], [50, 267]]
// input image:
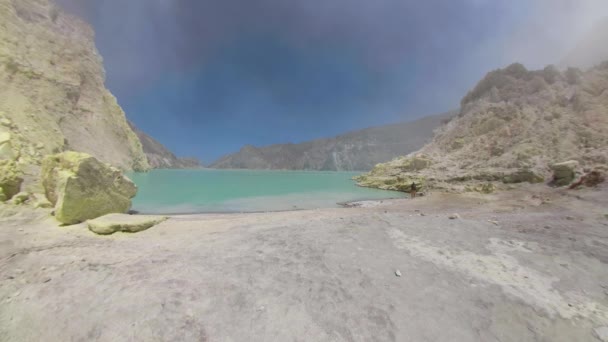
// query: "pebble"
[[493, 222], [454, 216], [547, 227], [47, 280], [570, 218], [398, 273]]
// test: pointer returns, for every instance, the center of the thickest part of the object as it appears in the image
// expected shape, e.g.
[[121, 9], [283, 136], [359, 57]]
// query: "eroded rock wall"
[[52, 93], [511, 128]]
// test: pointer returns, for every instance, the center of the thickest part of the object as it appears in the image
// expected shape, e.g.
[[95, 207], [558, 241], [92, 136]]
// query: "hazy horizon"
[[205, 78]]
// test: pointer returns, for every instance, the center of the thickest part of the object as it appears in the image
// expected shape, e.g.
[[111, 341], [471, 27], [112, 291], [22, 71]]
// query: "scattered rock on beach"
[[112, 223], [564, 173], [398, 273], [454, 217], [82, 188], [10, 179]]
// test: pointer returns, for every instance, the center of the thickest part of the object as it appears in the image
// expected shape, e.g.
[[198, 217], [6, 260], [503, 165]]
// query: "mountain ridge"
[[357, 150], [159, 156]]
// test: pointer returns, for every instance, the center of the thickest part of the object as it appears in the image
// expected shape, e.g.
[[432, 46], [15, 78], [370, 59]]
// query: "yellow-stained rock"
[[82, 188], [112, 223], [11, 179]]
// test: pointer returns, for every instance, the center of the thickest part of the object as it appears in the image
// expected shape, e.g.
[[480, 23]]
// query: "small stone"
[[47, 280], [454, 217], [547, 227], [493, 222], [6, 122], [20, 198], [569, 218], [40, 146], [398, 273]]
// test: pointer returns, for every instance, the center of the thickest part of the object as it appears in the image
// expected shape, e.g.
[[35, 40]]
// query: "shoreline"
[[339, 205]]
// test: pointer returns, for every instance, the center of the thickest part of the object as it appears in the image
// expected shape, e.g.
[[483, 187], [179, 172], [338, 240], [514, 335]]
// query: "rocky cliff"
[[159, 157], [511, 128], [52, 93], [355, 151]]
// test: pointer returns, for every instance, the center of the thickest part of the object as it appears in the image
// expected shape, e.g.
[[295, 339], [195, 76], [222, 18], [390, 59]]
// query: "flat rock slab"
[[112, 223]]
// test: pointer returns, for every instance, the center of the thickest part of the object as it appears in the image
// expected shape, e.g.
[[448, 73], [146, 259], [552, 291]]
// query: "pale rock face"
[[52, 90], [112, 223], [82, 188], [512, 127]]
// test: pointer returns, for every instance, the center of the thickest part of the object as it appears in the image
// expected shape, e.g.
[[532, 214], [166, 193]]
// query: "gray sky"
[[205, 77]]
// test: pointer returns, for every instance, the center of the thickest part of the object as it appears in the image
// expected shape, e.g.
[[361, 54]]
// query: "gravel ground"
[[525, 265]]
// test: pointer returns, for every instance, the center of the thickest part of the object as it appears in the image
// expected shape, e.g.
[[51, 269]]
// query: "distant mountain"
[[591, 50], [159, 157], [354, 151]]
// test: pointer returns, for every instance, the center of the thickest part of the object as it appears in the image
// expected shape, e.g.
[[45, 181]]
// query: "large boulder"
[[112, 223], [564, 173], [10, 179], [82, 188]]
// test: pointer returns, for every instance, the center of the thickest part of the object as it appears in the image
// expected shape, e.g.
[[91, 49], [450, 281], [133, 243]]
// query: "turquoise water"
[[199, 191]]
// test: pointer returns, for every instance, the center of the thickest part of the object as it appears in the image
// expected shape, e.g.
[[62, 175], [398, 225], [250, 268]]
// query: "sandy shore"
[[527, 265]]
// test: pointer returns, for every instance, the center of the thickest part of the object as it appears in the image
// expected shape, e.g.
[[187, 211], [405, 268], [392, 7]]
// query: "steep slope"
[[354, 151], [511, 128], [52, 93], [591, 50], [159, 157]]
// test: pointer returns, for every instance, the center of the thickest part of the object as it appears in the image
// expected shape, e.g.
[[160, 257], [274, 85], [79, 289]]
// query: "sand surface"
[[526, 265]]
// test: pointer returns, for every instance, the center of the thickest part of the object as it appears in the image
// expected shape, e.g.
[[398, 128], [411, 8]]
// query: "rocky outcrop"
[[10, 180], [355, 151], [80, 187], [112, 223], [511, 128], [591, 178], [53, 93], [159, 157], [564, 173]]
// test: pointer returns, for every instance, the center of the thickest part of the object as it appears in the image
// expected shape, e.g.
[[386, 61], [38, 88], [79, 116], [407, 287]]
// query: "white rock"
[[602, 333], [398, 273], [454, 216]]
